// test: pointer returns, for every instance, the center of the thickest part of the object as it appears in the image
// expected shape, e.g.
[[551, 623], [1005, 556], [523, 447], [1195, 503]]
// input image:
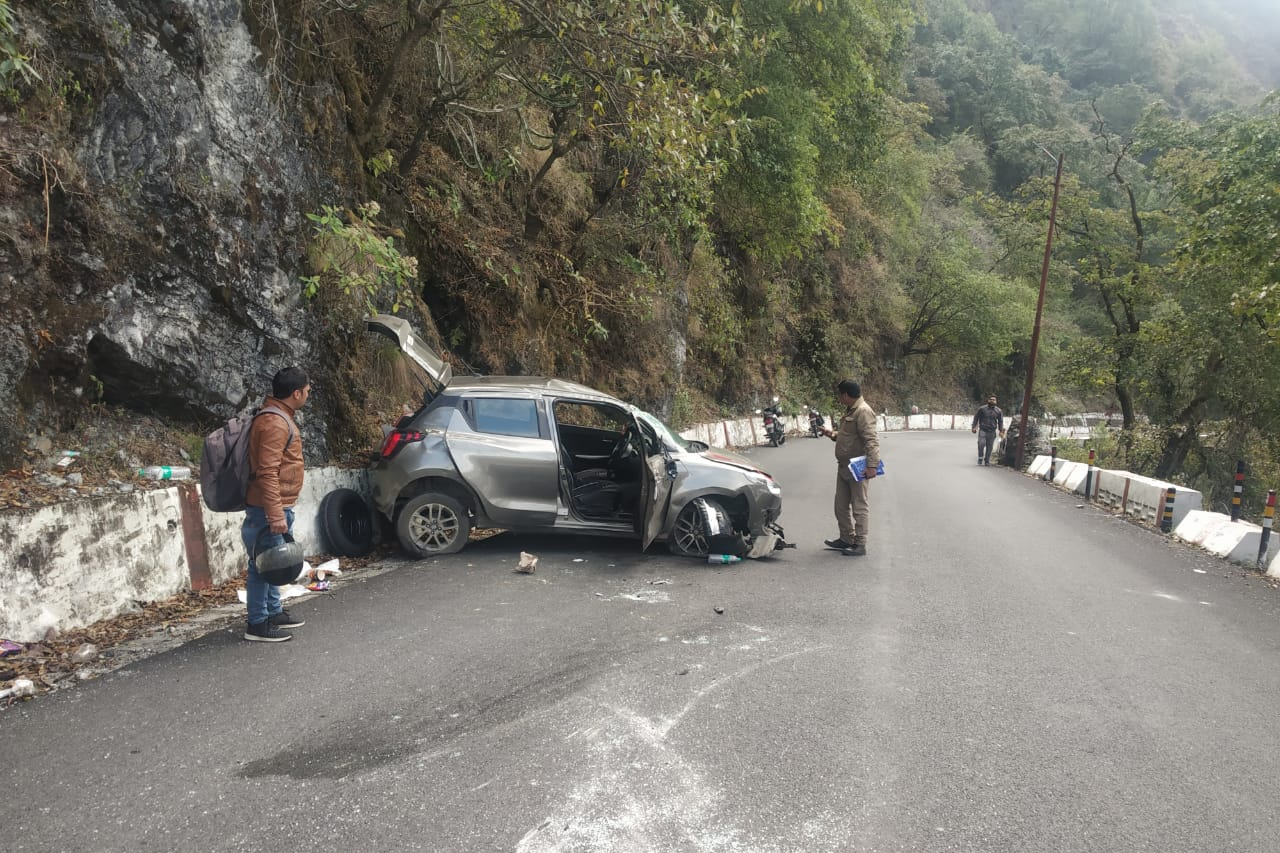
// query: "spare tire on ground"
[[347, 523]]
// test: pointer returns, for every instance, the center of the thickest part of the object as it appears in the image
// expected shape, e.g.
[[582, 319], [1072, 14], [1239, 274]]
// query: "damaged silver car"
[[546, 455]]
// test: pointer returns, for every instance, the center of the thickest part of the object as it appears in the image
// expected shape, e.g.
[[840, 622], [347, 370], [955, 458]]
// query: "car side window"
[[506, 416]]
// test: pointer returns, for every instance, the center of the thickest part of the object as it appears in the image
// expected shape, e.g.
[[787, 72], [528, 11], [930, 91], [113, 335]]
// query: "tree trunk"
[[1173, 458], [1128, 416]]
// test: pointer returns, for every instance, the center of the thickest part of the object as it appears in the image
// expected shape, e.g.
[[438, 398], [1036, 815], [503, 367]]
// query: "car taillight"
[[397, 439]]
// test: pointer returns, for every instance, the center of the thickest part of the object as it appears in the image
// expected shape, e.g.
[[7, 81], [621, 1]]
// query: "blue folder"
[[858, 467]]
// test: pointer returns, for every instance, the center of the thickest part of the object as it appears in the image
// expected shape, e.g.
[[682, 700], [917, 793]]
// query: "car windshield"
[[668, 435]]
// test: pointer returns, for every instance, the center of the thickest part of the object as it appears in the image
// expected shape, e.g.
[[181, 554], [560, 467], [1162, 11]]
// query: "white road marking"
[[640, 795]]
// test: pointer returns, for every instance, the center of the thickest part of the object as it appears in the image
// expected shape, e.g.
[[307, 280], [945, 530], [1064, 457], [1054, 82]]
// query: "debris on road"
[[322, 571], [718, 609], [85, 653], [528, 562], [21, 687]]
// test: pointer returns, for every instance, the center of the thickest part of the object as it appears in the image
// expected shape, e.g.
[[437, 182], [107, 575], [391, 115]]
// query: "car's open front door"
[[655, 487]]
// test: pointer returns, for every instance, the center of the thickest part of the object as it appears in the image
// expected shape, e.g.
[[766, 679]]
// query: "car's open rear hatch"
[[399, 330]]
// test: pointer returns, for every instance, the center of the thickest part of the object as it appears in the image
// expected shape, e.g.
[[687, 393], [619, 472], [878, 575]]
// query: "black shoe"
[[838, 544], [987, 463], [265, 632], [857, 549], [284, 620]]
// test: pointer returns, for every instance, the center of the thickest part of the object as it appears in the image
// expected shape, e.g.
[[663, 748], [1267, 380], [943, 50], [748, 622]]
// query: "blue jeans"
[[262, 599]]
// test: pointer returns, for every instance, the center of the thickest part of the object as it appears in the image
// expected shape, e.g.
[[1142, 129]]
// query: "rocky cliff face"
[[150, 217]]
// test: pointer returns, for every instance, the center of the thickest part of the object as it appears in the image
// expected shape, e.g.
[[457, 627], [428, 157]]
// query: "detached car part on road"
[[546, 455]]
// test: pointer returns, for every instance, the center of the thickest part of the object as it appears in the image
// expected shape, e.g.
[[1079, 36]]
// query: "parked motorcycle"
[[816, 422], [773, 427]]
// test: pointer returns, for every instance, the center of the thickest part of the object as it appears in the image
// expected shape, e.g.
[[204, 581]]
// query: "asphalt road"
[[1005, 671]]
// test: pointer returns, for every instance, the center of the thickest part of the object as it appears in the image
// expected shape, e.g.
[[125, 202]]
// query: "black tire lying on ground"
[[347, 523]]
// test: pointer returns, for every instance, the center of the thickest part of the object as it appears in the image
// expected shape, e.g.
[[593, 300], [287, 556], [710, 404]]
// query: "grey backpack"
[[224, 465]]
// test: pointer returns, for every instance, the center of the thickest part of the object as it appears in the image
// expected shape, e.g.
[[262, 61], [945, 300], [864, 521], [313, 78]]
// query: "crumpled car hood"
[[728, 457]]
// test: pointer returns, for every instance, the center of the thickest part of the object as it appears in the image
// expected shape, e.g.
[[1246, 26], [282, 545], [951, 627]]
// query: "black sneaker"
[[265, 632], [838, 544], [284, 620], [857, 549]]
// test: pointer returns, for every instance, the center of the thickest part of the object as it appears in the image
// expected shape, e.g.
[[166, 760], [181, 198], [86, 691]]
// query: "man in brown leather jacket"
[[854, 436], [275, 462]]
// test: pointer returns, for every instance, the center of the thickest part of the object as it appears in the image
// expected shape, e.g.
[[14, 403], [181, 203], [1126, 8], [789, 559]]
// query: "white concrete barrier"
[[1199, 525], [1234, 541], [892, 423], [72, 564], [1129, 494], [1143, 498]]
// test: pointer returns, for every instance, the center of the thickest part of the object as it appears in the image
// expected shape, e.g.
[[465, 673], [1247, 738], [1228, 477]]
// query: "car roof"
[[530, 385]]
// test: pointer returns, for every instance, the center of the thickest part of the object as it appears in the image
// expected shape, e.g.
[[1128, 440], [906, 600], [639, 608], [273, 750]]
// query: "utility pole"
[[1035, 334]]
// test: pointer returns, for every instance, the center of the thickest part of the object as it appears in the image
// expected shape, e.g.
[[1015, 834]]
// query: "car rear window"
[[506, 417]]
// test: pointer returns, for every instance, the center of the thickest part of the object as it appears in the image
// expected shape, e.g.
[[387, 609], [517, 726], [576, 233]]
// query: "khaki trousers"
[[852, 506]]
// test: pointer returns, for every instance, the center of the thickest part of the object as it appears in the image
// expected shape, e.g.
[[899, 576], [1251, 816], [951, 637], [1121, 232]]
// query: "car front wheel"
[[691, 533], [433, 523]]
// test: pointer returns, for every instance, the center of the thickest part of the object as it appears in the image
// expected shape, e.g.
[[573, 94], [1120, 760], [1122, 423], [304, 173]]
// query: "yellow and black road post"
[[1088, 478], [1166, 520], [1237, 491], [1267, 515]]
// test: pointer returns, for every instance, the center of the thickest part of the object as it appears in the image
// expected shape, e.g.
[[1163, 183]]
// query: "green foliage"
[[15, 66], [354, 255], [381, 163], [1227, 173], [820, 74], [800, 189]]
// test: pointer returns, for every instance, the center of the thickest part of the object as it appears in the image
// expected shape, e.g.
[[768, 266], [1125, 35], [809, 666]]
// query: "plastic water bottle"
[[722, 559], [165, 472]]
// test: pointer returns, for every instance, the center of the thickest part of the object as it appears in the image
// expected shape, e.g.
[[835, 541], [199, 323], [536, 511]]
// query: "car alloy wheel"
[[433, 523], [689, 533]]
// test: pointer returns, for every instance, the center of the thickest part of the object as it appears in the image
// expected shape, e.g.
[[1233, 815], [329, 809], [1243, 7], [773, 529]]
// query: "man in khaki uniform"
[[854, 435]]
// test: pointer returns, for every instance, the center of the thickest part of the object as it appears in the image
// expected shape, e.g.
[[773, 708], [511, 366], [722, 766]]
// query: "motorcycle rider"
[[773, 423], [816, 422]]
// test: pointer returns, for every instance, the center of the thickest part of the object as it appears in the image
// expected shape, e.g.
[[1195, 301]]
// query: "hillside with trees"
[[694, 205]]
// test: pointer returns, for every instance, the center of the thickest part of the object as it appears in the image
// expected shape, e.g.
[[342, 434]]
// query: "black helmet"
[[278, 565]]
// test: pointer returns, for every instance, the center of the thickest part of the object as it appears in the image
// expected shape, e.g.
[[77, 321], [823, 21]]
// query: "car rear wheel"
[[700, 519], [433, 523]]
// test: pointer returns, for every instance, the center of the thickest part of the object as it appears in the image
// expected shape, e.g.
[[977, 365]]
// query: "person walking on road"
[[854, 436], [986, 423], [275, 481]]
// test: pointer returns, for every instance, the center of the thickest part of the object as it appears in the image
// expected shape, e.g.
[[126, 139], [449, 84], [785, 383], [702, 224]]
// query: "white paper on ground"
[[320, 572]]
